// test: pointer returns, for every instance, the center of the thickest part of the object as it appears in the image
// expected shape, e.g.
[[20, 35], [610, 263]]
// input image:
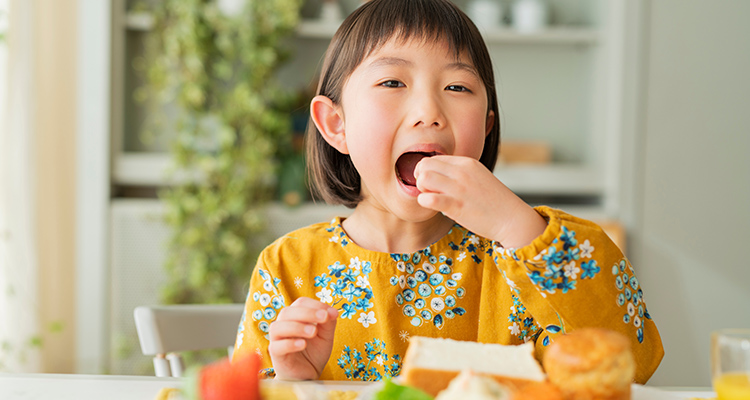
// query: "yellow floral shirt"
[[463, 287]]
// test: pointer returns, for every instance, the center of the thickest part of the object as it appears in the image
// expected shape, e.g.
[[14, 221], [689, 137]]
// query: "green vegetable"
[[393, 391]]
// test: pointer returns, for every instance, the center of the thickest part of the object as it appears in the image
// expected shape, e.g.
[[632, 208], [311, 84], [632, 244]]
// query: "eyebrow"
[[388, 61]]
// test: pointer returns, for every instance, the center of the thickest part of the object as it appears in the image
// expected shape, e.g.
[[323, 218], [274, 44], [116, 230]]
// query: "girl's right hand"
[[301, 339]]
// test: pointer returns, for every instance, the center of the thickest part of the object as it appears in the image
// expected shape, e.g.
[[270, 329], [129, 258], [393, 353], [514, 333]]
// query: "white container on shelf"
[[486, 14], [529, 15]]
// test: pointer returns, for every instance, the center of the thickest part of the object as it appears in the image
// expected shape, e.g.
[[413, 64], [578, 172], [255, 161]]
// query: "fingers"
[[438, 173], [304, 319]]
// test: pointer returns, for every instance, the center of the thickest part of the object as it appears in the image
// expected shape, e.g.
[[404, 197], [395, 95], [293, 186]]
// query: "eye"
[[457, 88], [392, 84]]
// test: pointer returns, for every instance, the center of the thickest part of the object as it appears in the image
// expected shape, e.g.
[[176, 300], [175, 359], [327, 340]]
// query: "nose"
[[427, 111]]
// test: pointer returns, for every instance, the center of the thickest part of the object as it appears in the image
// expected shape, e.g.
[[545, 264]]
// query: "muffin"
[[590, 364]]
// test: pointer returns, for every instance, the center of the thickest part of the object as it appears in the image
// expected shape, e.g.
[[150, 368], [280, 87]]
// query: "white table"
[[100, 387]]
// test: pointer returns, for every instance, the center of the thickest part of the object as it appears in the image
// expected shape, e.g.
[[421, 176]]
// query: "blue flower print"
[[268, 302], [568, 238], [348, 310], [589, 269], [523, 325], [427, 288], [322, 280], [567, 285], [628, 297], [554, 269], [553, 257], [366, 267], [336, 269], [348, 287], [372, 365]]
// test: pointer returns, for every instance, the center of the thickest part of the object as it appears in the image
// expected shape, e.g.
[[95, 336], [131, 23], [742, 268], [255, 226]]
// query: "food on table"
[[591, 363], [224, 380], [393, 391], [168, 394], [430, 364], [469, 385]]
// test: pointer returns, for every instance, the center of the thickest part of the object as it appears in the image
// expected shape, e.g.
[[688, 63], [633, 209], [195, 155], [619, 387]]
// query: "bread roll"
[[430, 364], [590, 364]]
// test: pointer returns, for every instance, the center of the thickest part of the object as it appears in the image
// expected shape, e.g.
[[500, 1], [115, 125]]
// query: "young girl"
[[406, 133]]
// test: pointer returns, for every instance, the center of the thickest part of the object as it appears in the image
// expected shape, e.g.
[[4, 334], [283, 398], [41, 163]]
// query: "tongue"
[[405, 166]]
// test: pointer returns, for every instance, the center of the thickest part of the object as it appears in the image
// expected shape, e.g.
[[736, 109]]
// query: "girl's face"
[[403, 102]]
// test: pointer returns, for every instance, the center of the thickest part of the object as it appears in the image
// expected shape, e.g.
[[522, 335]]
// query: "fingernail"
[[309, 329], [320, 315], [299, 343]]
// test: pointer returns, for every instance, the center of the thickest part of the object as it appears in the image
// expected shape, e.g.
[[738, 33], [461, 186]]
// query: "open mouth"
[[406, 163]]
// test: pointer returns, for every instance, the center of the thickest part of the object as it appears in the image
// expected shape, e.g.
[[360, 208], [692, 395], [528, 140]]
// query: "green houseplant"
[[217, 71]]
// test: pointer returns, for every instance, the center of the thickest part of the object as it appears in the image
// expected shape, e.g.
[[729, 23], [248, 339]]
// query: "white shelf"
[[148, 169], [139, 21], [553, 35], [141, 169], [552, 179]]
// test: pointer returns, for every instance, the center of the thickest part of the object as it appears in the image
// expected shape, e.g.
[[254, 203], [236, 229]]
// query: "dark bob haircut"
[[332, 174]]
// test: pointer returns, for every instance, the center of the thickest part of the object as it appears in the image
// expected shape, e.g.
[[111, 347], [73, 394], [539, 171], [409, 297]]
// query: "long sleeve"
[[574, 276]]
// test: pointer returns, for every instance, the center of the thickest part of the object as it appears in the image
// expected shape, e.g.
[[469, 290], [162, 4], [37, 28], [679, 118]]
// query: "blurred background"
[[149, 149]]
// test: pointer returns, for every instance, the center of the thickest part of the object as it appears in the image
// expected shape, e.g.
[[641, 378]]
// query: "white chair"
[[165, 331]]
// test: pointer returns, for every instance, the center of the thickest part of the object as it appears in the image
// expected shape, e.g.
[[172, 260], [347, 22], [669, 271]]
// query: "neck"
[[378, 230]]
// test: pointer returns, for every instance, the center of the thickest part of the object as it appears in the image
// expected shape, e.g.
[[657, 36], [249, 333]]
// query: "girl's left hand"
[[464, 190]]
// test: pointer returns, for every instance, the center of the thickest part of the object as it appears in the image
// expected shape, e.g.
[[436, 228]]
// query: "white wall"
[[691, 242]]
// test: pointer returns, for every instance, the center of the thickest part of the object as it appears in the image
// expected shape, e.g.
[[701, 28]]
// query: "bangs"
[[421, 20], [376, 22]]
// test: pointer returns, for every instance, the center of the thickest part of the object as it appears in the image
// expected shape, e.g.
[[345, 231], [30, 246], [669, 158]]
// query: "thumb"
[[327, 329]]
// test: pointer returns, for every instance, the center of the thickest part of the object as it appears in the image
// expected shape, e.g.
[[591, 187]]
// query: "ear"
[[329, 120], [490, 122]]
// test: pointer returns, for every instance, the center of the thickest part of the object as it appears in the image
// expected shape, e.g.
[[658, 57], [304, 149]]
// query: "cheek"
[[472, 136]]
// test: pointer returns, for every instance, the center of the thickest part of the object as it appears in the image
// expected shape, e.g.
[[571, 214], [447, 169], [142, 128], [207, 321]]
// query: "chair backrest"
[[165, 331]]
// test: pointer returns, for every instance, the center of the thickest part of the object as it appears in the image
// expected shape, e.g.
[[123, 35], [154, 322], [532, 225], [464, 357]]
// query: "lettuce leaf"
[[393, 391]]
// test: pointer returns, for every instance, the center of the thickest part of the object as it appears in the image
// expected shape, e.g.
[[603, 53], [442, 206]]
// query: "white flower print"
[[513, 309], [401, 266], [437, 304], [334, 239], [367, 319], [571, 270], [474, 240], [267, 285], [325, 295], [404, 335], [355, 264], [461, 256], [402, 281], [457, 276], [298, 282], [631, 309], [514, 329], [259, 352], [586, 249], [265, 299], [429, 268], [362, 281], [379, 359], [240, 337]]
